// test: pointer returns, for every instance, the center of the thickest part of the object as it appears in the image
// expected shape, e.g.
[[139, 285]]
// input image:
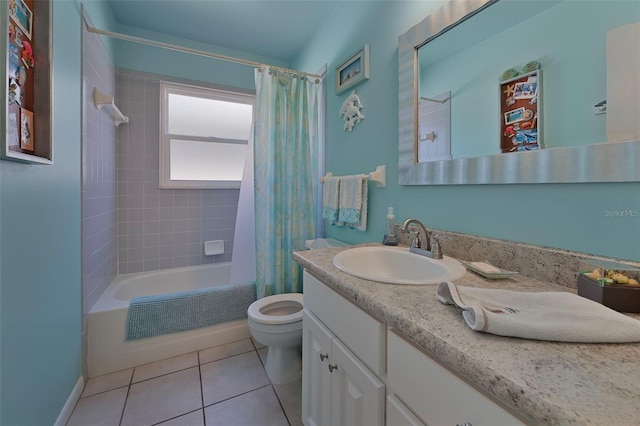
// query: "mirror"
[[461, 79]]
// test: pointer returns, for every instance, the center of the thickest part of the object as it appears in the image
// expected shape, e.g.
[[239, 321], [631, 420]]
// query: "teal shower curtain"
[[286, 176]]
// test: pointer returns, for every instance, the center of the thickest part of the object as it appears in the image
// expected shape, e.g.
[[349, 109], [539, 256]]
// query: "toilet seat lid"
[[289, 299]]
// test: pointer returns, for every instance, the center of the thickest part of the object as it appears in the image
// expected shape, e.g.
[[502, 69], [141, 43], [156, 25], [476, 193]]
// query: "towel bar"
[[379, 176]]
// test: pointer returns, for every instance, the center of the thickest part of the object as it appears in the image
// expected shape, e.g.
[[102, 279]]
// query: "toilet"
[[276, 322]]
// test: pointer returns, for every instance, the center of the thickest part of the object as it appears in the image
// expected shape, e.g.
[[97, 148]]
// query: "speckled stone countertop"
[[546, 382]]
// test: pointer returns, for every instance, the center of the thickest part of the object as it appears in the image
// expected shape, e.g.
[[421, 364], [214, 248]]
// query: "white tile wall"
[[161, 228], [435, 117], [99, 237]]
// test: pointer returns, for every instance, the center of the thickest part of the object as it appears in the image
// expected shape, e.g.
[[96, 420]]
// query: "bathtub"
[[109, 351]]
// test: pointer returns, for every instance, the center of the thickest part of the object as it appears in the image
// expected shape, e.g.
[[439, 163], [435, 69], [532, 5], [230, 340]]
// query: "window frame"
[[167, 88]]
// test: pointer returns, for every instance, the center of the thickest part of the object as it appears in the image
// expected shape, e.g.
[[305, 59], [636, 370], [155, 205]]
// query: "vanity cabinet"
[[338, 388], [432, 395], [351, 362]]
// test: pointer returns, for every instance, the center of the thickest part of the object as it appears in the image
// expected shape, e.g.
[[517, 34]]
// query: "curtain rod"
[[192, 51]]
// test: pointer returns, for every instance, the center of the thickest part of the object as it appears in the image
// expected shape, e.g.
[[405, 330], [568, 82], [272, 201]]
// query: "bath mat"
[[150, 316]]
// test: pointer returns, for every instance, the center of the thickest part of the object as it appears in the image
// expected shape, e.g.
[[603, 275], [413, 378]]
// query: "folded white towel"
[[330, 199], [353, 201], [554, 316]]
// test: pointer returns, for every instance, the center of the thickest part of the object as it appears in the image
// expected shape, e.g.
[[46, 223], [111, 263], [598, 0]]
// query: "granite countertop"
[[546, 382]]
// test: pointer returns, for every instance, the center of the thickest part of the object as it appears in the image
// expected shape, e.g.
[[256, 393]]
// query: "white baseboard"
[[64, 415]]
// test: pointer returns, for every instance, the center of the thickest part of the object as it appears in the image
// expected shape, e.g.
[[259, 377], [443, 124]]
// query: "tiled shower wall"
[[161, 228], [435, 120], [99, 236]]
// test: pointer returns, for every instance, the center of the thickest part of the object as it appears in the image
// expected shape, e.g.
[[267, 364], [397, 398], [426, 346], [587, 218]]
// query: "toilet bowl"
[[276, 322]]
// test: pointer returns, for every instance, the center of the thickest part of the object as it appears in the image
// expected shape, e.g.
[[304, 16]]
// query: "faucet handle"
[[440, 237], [436, 250], [415, 237]]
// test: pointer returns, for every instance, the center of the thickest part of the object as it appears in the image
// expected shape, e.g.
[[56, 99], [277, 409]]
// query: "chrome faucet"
[[416, 242], [430, 250]]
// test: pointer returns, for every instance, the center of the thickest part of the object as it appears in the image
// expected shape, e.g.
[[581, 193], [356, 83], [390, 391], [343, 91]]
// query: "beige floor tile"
[[107, 382], [224, 351], [262, 352], [290, 396], [258, 407], [104, 409], [195, 418], [232, 376], [165, 366], [163, 398], [257, 344]]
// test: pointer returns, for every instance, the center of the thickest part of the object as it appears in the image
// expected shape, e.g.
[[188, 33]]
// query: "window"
[[204, 136]]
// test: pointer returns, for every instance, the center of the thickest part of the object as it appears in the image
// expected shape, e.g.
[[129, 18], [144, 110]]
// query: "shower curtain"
[[243, 260], [285, 176]]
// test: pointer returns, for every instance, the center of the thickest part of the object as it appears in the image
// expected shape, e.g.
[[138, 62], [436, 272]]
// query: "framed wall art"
[[353, 70], [521, 112], [25, 111]]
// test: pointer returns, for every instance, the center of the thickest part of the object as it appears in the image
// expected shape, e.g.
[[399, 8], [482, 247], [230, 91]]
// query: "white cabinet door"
[[316, 377], [436, 395], [357, 395], [399, 415], [364, 335]]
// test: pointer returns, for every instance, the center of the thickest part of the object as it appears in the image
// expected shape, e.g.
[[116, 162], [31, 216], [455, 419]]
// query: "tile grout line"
[[281, 406], [204, 418], [175, 417], [272, 387], [235, 396], [126, 398]]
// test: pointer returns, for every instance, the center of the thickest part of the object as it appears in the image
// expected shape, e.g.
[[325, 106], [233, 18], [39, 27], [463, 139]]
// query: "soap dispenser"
[[390, 238]]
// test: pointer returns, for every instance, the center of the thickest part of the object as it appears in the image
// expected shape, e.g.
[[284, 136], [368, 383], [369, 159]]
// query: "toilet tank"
[[319, 243]]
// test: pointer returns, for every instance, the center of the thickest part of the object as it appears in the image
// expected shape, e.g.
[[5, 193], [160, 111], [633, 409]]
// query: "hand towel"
[[553, 316], [353, 201], [330, 199]]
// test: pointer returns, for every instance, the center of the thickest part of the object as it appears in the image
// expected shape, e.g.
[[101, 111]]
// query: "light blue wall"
[[159, 60], [572, 51], [581, 217], [101, 17], [40, 306]]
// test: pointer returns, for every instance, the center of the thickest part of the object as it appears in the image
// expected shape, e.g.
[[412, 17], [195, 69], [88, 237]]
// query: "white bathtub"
[[108, 351]]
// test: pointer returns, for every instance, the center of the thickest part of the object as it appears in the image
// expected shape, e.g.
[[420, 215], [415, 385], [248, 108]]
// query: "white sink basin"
[[396, 265]]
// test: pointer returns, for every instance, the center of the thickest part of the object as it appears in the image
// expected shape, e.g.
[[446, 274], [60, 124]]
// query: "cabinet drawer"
[[360, 332], [434, 394]]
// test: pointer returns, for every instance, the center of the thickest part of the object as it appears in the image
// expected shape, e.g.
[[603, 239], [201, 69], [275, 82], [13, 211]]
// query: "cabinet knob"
[[332, 367], [323, 357]]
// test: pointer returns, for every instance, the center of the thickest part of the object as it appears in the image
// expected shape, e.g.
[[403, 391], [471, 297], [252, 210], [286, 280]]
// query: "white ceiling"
[[275, 29]]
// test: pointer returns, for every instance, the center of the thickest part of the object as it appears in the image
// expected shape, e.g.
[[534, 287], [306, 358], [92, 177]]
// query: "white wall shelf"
[[106, 103]]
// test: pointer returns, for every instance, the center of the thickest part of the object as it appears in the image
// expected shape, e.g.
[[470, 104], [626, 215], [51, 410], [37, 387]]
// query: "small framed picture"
[[514, 116], [22, 16], [13, 140], [353, 71], [526, 89], [26, 129]]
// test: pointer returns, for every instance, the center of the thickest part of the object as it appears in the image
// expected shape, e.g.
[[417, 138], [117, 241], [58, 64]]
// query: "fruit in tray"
[[611, 277]]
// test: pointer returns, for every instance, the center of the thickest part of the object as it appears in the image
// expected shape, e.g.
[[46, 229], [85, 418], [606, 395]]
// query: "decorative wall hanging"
[[353, 71], [25, 42], [350, 111], [521, 109]]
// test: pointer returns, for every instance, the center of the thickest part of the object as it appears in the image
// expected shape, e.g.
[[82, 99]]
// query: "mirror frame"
[[603, 162]]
